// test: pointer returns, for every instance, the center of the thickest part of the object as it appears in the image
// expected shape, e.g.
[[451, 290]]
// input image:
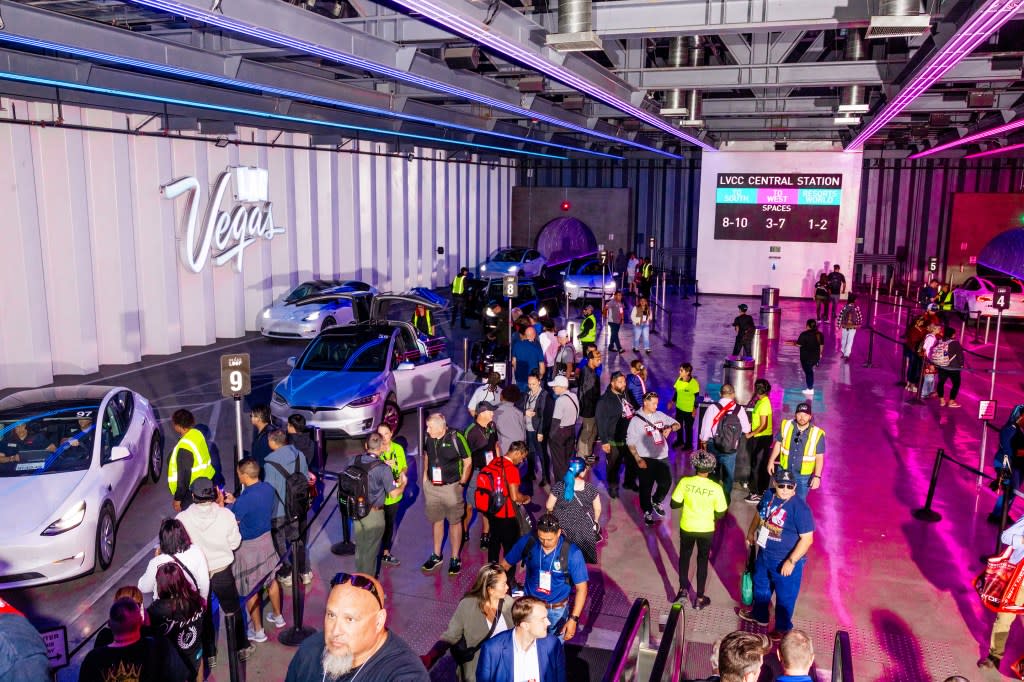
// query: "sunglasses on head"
[[548, 526], [786, 486], [360, 581], [649, 395]]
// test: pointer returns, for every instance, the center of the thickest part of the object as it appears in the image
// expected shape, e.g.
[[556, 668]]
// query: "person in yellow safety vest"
[[588, 328], [459, 297], [945, 298], [421, 321], [646, 279], [798, 436], [189, 460]]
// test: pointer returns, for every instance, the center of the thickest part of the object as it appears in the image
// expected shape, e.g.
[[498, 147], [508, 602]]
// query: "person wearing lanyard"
[[537, 406], [702, 502], [394, 455], [647, 440], [636, 382], [686, 388], [783, 530], [614, 411], [760, 443], [553, 567], [1012, 537], [447, 466]]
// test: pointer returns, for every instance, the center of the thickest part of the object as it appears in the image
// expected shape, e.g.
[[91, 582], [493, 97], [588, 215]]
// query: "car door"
[[117, 479], [428, 380]]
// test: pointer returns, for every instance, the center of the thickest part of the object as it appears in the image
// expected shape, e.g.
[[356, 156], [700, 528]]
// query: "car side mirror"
[[404, 367], [291, 361], [119, 452]]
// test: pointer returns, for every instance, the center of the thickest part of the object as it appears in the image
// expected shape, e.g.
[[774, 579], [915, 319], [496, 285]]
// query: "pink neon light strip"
[[974, 137], [994, 152], [980, 26]]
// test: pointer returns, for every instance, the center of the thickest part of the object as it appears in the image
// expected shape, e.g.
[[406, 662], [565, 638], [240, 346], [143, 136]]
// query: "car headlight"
[[363, 402], [312, 316], [571, 285], [278, 398], [610, 286], [266, 314], [71, 519], [542, 312], [483, 268], [490, 312], [513, 269]]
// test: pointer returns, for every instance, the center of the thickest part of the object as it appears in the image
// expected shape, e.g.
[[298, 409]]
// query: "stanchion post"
[[926, 513], [669, 344], [465, 354], [664, 287], [297, 633], [874, 308], [899, 311], [236, 671], [696, 293]]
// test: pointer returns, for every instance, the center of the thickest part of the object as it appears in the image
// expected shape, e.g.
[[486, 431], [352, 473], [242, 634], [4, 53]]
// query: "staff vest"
[[946, 300], [202, 465], [459, 285], [814, 435], [647, 271], [591, 334], [430, 325]]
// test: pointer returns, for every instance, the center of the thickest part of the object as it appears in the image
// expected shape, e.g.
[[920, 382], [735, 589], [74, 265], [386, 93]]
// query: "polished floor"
[[900, 587]]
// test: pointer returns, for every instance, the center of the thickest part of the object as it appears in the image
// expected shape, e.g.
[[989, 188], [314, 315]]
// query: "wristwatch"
[[575, 618]]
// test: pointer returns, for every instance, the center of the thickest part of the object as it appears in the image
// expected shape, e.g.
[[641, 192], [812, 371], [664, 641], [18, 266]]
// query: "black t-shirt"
[[481, 441], [148, 660], [810, 343], [744, 325], [393, 662], [836, 280], [446, 452], [181, 629]]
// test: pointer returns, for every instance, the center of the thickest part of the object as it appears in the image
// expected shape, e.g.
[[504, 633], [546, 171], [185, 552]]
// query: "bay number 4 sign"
[[235, 375], [1001, 299]]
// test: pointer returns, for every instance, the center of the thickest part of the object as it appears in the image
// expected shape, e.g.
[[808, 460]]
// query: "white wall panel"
[[96, 275]]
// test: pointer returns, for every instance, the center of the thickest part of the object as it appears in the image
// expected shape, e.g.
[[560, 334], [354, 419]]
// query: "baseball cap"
[[804, 408], [559, 381], [563, 334], [742, 306], [203, 489], [484, 406], [784, 476], [702, 460]]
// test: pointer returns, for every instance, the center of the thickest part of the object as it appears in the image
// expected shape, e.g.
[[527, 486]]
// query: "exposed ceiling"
[[619, 78]]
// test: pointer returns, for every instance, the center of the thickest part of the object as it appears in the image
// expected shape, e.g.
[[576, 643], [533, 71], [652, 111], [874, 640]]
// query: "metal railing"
[[668, 664], [842, 658], [632, 656]]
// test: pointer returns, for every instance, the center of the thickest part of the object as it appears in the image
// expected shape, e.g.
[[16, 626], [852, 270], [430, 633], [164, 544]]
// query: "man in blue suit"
[[525, 653]]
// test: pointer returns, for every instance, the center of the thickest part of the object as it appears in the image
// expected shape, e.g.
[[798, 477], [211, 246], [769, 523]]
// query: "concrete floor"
[[900, 587]]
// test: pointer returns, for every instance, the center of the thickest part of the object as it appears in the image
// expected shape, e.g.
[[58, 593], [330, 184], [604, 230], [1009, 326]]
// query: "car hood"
[[289, 311], [38, 499], [305, 388], [587, 280]]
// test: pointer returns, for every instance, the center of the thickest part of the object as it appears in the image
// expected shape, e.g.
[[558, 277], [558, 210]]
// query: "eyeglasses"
[[785, 486], [360, 581]]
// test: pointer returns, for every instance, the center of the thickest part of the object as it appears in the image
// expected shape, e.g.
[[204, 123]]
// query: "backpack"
[[940, 356], [727, 436], [563, 556], [490, 496], [296, 498], [354, 488]]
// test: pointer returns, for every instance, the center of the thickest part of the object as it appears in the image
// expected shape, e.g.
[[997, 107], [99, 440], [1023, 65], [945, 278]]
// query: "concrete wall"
[[605, 211], [92, 273]]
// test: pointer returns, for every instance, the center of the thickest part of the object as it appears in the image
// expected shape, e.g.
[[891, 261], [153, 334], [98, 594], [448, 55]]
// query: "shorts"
[[444, 502]]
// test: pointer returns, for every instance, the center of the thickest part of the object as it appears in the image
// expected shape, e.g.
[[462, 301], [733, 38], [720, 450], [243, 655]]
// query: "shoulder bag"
[[462, 653]]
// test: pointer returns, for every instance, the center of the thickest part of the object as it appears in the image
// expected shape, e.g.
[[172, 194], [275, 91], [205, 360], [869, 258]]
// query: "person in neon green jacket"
[[394, 455]]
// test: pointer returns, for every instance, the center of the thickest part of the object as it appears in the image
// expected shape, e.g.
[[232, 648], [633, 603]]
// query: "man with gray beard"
[[354, 642]]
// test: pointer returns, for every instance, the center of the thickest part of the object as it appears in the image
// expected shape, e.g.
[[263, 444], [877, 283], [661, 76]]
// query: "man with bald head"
[[355, 644]]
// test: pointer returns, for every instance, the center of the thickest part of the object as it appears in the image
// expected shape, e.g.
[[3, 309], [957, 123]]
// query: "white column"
[[257, 277], [301, 197]]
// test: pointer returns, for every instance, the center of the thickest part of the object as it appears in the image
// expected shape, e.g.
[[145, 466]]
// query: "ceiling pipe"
[[575, 28], [853, 99], [693, 100], [678, 56]]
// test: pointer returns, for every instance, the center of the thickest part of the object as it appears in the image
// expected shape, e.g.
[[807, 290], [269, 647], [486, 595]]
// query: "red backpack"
[[491, 492]]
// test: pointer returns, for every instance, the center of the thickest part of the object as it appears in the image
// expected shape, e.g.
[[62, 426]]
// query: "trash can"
[[759, 346], [769, 297], [771, 319], [739, 371]]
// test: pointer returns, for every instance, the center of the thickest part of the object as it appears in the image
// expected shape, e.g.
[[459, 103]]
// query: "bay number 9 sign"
[[235, 375]]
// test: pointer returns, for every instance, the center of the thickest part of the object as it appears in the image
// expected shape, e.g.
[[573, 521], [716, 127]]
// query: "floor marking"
[[168, 362]]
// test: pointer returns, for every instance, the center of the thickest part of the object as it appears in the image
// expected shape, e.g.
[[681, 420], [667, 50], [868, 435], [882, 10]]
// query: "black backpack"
[[296, 498], [563, 556], [727, 437], [354, 488]]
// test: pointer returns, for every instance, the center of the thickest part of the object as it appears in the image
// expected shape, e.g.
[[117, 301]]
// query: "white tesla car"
[[305, 311], [587, 279], [974, 296], [72, 458], [513, 261]]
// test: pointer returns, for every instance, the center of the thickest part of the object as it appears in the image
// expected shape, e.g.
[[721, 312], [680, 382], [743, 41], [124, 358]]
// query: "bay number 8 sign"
[[235, 375]]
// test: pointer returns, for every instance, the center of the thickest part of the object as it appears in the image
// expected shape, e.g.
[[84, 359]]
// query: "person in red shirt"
[[502, 476]]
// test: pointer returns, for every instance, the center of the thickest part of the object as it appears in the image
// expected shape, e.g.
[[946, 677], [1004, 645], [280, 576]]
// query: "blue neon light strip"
[[266, 89], [262, 114], [284, 40]]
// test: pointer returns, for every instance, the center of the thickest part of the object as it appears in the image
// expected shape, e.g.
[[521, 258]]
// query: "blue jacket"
[[497, 659]]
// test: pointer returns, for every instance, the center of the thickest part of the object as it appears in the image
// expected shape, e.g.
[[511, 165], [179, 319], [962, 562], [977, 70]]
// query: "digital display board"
[[788, 207]]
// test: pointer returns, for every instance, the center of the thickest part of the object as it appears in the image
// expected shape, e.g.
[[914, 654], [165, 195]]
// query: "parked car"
[[75, 456], [305, 314], [535, 295], [586, 279], [513, 261], [974, 296], [352, 378]]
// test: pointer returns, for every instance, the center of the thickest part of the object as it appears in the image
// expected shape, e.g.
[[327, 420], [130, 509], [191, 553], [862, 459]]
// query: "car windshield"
[[508, 256], [589, 268], [305, 289], [1014, 284], [46, 439], [347, 353]]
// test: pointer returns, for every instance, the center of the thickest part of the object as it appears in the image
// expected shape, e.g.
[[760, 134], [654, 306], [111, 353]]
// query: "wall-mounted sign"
[[224, 234]]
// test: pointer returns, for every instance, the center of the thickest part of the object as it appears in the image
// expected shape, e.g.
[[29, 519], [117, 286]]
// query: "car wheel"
[[156, 458], [106, 537], [391, 416], [329, 322]]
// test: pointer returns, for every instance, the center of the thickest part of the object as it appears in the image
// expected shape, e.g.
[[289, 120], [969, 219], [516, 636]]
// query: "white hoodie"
[[215, 530], [193, 558]]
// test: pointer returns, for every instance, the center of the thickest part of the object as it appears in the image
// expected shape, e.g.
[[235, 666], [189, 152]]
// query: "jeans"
[[726, 469], [369, 532], [767, 579], [642, 336], [835, 304], [613, 331], [686, 544], [556, 617], [537, 458], [588, 434], [954, 377], [846, 346], [803, 485], [915, 363], [820, 308], [808, 368], [657, 477], [1015, 478]]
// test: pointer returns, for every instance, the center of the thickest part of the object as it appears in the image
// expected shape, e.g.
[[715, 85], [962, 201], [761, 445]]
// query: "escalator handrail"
[[842, 658], [671, 644], [638, 622]]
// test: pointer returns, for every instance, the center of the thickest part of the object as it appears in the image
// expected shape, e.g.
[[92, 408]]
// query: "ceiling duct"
[[853, 99], [898, 19], [575, 28], [693, 100], [462, 57], [678, 56]]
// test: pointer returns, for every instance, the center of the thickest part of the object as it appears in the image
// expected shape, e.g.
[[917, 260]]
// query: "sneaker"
[[990, 662], [658, 509], [702, 603], [258, 636], [388, 560], [517, 592], [613, 492], [278, 621], [942, 402], [454, 566], [485, 540], [430, 564], [648, 351], [285, 580], [808, 391], [307, 577], [953, 403], [752, 498], [211, 662], [682, 594], [244, 654], [649, 518], [775, 635], [747, 616]]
